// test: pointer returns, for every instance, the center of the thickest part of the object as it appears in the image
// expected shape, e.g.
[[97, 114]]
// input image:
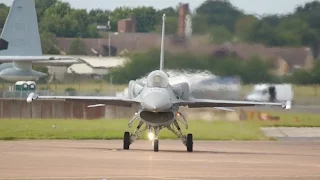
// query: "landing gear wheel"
[[156, 145], [189, 143], [126, 140]]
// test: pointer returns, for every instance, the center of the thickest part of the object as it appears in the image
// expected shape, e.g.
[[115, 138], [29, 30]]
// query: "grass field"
[[114, 129]]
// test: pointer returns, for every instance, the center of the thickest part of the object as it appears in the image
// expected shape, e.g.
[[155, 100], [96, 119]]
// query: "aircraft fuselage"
[[157, 107]]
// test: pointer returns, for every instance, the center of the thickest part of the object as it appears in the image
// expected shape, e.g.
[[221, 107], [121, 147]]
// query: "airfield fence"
[[58, 109], [24, 94]]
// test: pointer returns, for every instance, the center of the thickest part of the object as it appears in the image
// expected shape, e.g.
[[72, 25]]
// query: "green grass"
[[11, 129]]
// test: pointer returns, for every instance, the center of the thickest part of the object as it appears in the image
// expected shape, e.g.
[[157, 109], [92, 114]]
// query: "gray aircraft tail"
[[162, 43], [20, 34]]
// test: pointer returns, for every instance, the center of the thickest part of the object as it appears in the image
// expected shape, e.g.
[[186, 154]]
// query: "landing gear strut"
[[186, 140], [128, 138]]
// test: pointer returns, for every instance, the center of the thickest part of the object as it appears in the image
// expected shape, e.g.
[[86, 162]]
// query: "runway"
[[306, 109], [105, 160]]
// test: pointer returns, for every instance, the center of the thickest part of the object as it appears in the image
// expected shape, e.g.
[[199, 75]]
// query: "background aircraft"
[[20, 45], [158, 104]]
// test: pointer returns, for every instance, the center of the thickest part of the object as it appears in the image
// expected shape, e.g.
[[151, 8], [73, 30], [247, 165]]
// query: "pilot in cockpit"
[[158, 79]]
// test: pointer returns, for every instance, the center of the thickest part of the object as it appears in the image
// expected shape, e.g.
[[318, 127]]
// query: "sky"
[[257, 7]]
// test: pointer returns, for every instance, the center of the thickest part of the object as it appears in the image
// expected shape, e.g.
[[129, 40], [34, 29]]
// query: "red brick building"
[[127, 25]]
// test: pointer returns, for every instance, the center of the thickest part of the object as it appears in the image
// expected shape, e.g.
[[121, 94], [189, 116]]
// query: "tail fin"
[[21, 30], [162, 42]]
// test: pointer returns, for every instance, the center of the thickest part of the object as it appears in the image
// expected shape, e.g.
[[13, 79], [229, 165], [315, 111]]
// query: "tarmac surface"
[[291, 132], [105, 160], [307, 109]]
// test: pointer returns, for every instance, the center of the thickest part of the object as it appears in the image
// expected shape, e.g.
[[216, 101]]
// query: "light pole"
[[109, 43], [109, 40], [106, 28]]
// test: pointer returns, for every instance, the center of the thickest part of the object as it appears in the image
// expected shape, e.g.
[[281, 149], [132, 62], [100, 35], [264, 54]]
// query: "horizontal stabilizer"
[[3, 44]]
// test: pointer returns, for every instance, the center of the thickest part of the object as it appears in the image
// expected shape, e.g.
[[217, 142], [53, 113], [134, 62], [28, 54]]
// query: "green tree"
[[146, 18], [310, 12], [220, 34], [77, 47], [43, 5], [262, 32], [4, 10], [48, 43], [272, 20], [169, 11], [200, 24], [244, 25], [301, 77], [99, 16], [255, 70], [291, 31], [220, 12], [171, 25]]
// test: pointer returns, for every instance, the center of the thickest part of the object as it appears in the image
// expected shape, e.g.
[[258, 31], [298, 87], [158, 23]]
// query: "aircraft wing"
[[104, 100], [201, 103], [33, 58]]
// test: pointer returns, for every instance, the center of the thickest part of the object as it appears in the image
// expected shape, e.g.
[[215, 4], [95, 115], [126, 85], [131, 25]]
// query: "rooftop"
[[96, 65]]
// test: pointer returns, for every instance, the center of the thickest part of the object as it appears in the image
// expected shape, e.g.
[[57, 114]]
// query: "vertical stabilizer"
[[162, 42], [21, 30]]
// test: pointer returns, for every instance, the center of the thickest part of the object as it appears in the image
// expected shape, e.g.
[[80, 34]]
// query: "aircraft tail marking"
[[3, 44], [21, 31]]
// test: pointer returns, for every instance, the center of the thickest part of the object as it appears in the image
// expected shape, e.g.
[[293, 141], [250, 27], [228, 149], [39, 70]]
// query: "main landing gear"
[[186, 140], [153, 132]]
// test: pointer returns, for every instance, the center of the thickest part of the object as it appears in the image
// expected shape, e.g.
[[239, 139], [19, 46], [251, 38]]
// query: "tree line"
[[251, 71], [217, 18]]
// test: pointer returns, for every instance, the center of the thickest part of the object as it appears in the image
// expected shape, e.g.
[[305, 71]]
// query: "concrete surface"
[[291, 132], [98, 160], [311, 109]]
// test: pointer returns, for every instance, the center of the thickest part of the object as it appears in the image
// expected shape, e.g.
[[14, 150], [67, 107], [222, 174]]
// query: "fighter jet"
[[20, 45], [158, 105]]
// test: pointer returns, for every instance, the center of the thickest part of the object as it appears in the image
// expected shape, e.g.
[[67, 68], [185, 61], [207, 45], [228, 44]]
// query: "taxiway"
[[105, 160]]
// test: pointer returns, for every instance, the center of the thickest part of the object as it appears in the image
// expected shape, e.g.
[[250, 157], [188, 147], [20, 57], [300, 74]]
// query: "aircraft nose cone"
[[156, 101]]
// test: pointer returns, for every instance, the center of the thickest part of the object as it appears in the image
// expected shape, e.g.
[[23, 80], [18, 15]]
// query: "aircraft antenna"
[[162, 42]]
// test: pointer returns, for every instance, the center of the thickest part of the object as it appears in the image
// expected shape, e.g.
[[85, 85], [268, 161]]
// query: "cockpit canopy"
[[157, 79]]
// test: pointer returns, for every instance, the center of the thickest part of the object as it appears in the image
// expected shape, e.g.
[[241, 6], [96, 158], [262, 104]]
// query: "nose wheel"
[[156, 145]]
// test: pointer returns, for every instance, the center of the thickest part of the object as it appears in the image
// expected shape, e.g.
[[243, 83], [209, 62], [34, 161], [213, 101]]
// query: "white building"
[[91, 65]]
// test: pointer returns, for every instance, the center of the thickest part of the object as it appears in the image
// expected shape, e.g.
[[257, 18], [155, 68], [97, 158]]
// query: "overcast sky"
[[258, 7]]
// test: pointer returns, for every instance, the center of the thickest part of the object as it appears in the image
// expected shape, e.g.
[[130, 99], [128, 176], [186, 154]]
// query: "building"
[[127, 25], [92, 67], [285, 59]]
